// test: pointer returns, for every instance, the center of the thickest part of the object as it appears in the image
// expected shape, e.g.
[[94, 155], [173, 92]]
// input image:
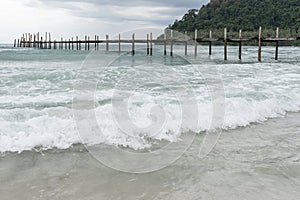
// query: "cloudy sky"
[[67, 18]]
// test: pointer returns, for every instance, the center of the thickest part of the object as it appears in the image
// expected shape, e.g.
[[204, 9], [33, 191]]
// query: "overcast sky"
[[67, 18]]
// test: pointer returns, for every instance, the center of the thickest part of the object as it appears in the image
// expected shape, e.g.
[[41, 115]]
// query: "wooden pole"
[[49, 40], [41, 43], [133, 51], [259, 44], [196, 42], [88, 43], [240, 45], [95, 42], [15, 43], [210, 43], [171, 45], [107, 44], [185, 44], [69, 44], [77, 45], [151, 45], [54, 45], [85, 44], [25, 41], [165, 43], [18, 45], [119, 43], [66, 45], [277, 44], [98, 41], [225, 44], [46, 40], [72, 43], [148, 49]]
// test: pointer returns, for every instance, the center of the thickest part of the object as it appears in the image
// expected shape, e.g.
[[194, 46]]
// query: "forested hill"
[[247, 15]]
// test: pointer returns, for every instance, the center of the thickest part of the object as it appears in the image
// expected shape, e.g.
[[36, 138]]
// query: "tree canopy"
[[247, 15]]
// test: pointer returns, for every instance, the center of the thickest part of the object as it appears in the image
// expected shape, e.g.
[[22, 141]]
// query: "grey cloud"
[[160, 12]]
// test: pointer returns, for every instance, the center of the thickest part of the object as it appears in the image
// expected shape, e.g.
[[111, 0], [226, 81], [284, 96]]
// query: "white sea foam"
[[37, 113]]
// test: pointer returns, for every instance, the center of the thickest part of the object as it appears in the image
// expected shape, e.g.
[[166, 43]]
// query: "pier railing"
[[29, 40]]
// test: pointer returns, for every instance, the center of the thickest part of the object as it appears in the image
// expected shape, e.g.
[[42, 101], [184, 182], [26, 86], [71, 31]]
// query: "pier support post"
[[165, 43], [240, 45], [225, 44], [133, 50], [46, 40], [185, 44], [151, 45], [119, 43], [210, 43], [77, 45], [50, 40], [88, 43], [259, 44], [15, 43], [196, 42], [72, 43], [171, 43], [107, 44], [148, 48], [277, 43], [95, 42]]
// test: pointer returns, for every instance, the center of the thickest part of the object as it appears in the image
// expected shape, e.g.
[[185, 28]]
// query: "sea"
[[109, 125]]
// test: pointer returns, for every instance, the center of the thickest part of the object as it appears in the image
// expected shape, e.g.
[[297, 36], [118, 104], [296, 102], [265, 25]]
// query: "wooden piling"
[[95, 42], [225, 44], [151, 45], [277, 44], [69, 44], [85, 43], [210, 43], [72, 43], [54, 44], [98, 38], [66, 44], [88, 41], [119, 43], [259, 44], [240, 45], [41, 42], [107, 44], [196, 42], [133, 50], [46, 40], [148, 48], [15, 43], [171, 44], [18, 44], [49, 40], [165, 43], [77, 45], [185, 44]]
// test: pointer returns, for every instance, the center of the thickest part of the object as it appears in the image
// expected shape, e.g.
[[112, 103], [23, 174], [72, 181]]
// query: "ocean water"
[[50, 101]]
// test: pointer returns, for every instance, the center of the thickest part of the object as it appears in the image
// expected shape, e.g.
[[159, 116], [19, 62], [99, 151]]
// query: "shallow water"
[[257, 162], [42, 137]]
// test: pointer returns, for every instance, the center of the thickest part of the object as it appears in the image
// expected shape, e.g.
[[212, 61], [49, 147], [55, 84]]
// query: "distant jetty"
[[29, 40]]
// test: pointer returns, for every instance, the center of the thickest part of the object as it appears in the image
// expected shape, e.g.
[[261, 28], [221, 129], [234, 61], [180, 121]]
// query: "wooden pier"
[[29, 40]]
